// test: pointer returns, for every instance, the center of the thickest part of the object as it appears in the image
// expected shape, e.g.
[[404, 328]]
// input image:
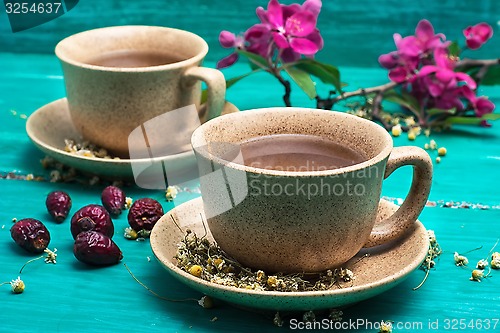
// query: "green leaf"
[[436, 111], [464, 120], [234, 80], [256, 61], [454, 49], [404, 100], [492, 76], [303, 80], [229, 84], [491, 116], [472, 120], [325, 72]]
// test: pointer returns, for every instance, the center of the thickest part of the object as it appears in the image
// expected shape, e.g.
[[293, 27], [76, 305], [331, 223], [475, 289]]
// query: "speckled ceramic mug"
[[296, 230], [107, 102]]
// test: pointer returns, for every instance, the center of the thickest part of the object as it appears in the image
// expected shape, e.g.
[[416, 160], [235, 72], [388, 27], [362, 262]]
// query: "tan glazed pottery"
[[108, 103], [384, 268], [305, 230], [51, 124]]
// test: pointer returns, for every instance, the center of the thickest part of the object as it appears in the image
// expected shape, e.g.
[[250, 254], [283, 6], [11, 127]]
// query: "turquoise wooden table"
[[72, 297]]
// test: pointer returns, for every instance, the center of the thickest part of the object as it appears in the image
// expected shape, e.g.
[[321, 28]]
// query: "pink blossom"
[[477, 35], [293, 27], [444, 77], [229, 40]]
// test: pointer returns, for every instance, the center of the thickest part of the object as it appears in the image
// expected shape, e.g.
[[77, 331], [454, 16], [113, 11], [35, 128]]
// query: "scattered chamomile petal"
[[277, 320], [481, 264], [396, 130], [196, 270], [51, 256], [460, 260], [128, 202], [309, 316], [433, 145], [385, 327], [130, 233], [477, 275], [17, 286], [171, 193], [206, 302], [335, 315]]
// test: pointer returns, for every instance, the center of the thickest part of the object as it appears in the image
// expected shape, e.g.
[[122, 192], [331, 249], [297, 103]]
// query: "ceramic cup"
[[303, 221], [107, 101]]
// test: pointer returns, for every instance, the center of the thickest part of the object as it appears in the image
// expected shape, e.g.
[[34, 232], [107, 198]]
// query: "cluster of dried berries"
[[92, 228], [201, 258]]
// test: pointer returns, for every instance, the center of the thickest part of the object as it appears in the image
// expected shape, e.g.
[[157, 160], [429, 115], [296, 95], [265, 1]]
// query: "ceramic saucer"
[[48, 126], [384, 268]]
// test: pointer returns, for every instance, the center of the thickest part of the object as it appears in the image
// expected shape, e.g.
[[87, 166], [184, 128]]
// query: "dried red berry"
[[58, 205], [92, 217], [113, 199], [144, 213], [94, 248], [31, 235]]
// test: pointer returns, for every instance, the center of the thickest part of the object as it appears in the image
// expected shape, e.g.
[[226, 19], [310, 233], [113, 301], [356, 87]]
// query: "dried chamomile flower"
[[433, 145], [51, 256], [438, 159], [206, 302], [171, 193], [385, 327], [196, 270], [412, 135], [272, 281], [277, 321], [481, 264], [460, 260], [495, 263], [432, 237], [410, 121], [335, 315], [477, 275], [130, 233], [128, 202], [17, 286], [442, 151], [396, 130], [309, 316], [261, 276], [346, 275]]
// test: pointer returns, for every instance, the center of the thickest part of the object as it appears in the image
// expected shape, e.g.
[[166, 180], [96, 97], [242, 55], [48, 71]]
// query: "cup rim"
[[180, 64], [198, 138]]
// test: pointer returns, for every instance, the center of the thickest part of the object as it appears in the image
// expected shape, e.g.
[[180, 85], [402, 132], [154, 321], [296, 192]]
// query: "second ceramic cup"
[[119, 77]]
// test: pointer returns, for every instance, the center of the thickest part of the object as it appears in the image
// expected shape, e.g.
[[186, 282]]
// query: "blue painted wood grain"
[[355, 32]]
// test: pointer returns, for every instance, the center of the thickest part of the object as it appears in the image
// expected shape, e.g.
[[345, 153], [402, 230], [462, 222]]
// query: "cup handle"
[[216, 89], [403, 219]]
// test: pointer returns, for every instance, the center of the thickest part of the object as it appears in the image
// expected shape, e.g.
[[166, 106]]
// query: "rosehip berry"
[[94, 248], [31, 235], [58, 205], [92, 217], [113, 199], [144, 213]]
